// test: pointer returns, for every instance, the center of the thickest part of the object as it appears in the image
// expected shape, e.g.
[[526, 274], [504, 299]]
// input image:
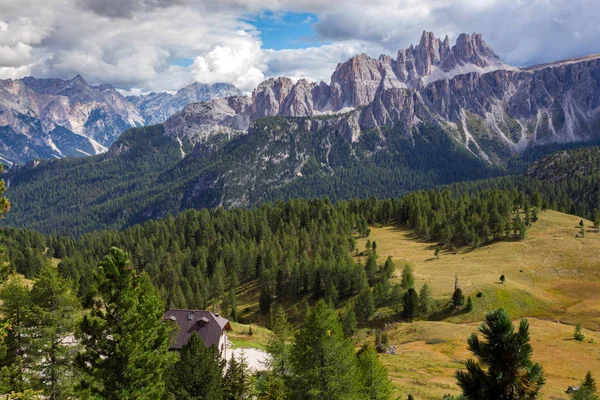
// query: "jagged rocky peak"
[[199, 121]]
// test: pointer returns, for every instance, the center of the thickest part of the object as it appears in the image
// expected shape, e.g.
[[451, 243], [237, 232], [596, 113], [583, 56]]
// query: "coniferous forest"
[[108, 282]]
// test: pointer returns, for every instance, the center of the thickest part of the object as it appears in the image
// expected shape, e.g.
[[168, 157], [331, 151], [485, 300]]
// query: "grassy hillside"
[[429, 353], [552, 277]]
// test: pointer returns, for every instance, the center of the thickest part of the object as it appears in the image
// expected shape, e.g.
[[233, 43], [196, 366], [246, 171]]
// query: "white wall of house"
[[223, 340]]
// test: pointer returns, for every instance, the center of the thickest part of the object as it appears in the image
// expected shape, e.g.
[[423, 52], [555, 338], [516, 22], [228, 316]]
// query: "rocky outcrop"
[[157, 107], [56, 118], [199, 121]]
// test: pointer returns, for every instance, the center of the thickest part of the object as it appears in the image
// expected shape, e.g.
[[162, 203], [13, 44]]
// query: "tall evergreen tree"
[[15, 309], [411, 304], [408, 279], [323, 362], [277, 345], [509, 373], [198, 375], [55, 313], [364, 304], [236, 383], [374, 378], [587, 389], [126, 342], [425, 299]]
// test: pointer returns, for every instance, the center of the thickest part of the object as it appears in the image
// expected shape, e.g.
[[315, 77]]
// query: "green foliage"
[[237, 380], [505, 370], [587, 390], [411, 304], [408, 278], [425, 299], [323, 361], [349, 322], [126, 342], [364, 304], [277, 345], [578, 334], [469, 306], [274, 388], [55, 312], [198, 374], [15, 309], [374, 379]]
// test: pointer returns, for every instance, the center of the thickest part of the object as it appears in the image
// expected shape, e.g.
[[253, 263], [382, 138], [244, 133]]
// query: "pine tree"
[[425, 299], [458, 299], [126, 342], [506, 371], [236, 383], [55, 312], [15, 309], [411, 303], [198, 375], [277, 345], [323, 362], [589, 382], [469, 306], [408, 279], [371, 266], [397, 297], [364, 305], [375, 384], [578, 335], [389, 267], [349, 322], [274, 388]]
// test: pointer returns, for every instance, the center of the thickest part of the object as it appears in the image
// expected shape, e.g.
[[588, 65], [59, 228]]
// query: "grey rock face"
[[55, 118], [199, 121], [157, 107]]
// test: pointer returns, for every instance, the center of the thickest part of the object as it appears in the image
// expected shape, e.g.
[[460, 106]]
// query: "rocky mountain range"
[[435, 115], [55, 118], [492, 109]]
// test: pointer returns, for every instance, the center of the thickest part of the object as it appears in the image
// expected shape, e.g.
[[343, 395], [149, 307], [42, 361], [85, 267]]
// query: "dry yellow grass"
[[551, 274], [552, 278], [427, 370]]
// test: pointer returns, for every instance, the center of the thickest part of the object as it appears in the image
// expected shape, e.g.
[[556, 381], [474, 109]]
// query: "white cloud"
[[138, 45], [240, 60]]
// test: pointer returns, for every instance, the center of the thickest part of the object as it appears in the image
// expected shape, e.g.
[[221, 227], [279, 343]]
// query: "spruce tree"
[[504, 370], [349, 322], [578, 334], [55, 313], [277, 344], [364, 305], [375, 384], [236, 383], [198, 375], [408, 279], [323, 362], [411, 304], [425, 299], [15, 310], [126, 343]]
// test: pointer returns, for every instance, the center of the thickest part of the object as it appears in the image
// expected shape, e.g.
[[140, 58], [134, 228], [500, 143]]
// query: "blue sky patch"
[[288, 30]]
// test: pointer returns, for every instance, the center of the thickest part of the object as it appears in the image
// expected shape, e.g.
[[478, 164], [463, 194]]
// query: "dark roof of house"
[[208, 325]]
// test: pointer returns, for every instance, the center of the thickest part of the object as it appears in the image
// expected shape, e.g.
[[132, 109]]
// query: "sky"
[[140, 46]]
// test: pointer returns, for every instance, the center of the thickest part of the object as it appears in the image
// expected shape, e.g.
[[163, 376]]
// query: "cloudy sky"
[[162, 45]]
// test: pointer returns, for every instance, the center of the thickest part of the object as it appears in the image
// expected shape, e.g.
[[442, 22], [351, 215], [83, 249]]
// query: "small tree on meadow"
[[408, 279], [503, 369], [578, 335], [437, 252], [458, 299], [587, 389], [502, 278]]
